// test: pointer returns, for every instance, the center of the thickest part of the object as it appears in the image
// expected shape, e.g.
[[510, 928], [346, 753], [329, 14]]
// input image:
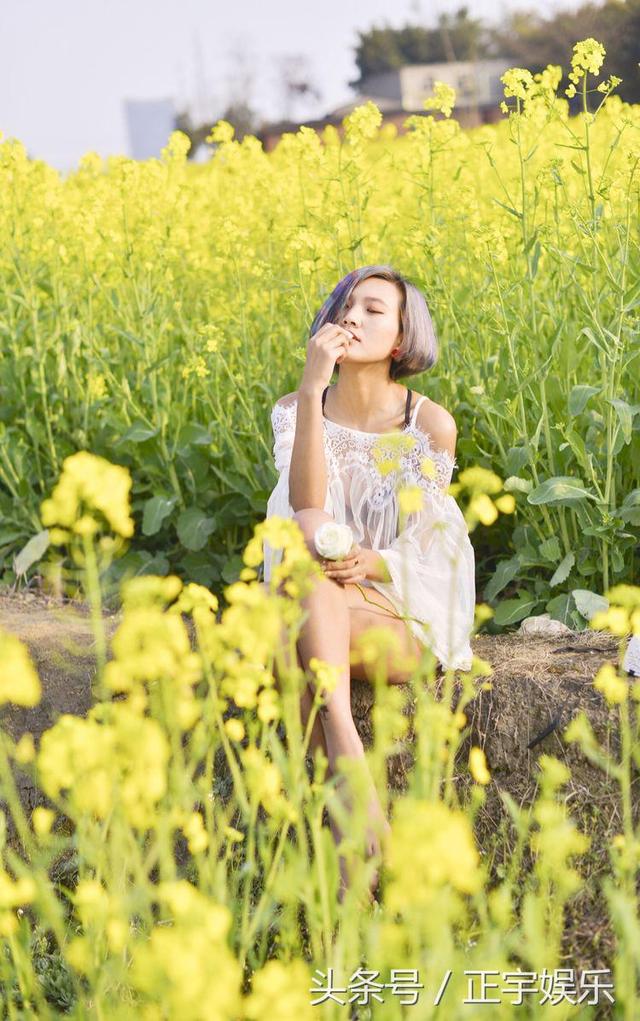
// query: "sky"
[[68, 65]]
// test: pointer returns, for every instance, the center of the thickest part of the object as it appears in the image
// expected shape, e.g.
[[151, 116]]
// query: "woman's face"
[[372, 313]]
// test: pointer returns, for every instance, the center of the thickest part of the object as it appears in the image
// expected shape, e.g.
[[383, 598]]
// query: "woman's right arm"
[[308, 469]]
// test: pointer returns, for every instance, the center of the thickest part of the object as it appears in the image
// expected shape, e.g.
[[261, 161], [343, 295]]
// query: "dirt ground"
[[538, 684]]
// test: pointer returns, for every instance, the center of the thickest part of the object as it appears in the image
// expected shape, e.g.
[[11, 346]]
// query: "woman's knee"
[[309, 519]]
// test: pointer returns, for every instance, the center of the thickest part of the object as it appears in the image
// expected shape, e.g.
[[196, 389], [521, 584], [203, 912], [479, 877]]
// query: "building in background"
[[149, 125], [401, 92]]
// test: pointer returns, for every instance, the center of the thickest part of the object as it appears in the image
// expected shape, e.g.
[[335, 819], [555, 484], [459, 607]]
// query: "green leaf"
[[510, 611], [510, 209], [514, 482], [588, 603], [9, 533], [516, 459], [260, 499], [577, 445], [232, 568], [579, 396], [630, 509], [588, 332], [559, 489], [505, 572], [550, 549], [625, 416], [32, 552], [194, 433], [559, 608], [194, 528], [200, 568], [563, 570], [138, 432], [156, 509]]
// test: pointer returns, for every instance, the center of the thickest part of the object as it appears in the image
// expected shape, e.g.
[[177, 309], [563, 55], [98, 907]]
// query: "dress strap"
[[324, 396], [407, 408], [415, 410]]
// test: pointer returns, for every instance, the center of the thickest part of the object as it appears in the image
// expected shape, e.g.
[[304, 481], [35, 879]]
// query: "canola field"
[[151, 313]]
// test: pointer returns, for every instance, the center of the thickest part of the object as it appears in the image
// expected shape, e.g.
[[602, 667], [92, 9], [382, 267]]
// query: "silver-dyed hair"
[[418, 344]]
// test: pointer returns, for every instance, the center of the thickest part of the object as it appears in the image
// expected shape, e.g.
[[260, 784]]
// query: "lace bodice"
[[347, 448]]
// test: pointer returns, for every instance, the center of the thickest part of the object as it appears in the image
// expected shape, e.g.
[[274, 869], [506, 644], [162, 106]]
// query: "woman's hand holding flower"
[[340, 557], [355, 567]]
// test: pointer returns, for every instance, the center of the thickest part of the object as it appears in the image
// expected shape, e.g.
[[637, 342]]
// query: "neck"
[[364, 392]]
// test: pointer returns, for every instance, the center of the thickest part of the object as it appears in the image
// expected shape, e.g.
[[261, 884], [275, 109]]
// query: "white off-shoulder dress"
[[431, 561]]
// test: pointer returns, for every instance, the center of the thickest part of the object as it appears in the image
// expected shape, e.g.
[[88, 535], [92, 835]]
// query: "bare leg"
[[326, 635], [316, 738]]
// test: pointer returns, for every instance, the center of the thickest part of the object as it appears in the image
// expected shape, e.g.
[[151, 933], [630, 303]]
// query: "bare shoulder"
[[439, 423], [287, 400]]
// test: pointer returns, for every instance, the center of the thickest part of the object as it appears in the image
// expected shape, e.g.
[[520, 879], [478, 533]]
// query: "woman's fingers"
[[346, 569]]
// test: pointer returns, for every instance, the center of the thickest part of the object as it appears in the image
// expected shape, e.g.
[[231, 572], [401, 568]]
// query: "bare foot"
[[376, 832]]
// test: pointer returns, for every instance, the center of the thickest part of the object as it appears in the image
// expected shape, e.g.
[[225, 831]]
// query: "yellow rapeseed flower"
[[624, 595], [517, 81], [588, 55], [90, 483], [506, 503], [615, 619], [234, 728], [480, 480], [19, 682], [280, 990], [434, 845], [362, 123], [222, 131], [25, 749], [411, 499], [326, 676], [428, 468], [15, 892], [612, 686], [478, 766], [481, 508], [196, 835], [149, 590], [443, 99], [42, 819], [268, 705]]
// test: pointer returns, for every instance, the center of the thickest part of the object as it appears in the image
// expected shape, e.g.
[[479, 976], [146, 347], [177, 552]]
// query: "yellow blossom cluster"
[[19, 681], [113, 758], [179, 965], [443, 99], [264, 781], [362, 123], [13, 894], [88, 484], [622, 617], [588, 56], [482, 483], [434, 845]]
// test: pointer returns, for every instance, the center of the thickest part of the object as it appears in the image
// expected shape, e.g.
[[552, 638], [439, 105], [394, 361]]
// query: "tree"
[[454, 37], [535, 41]]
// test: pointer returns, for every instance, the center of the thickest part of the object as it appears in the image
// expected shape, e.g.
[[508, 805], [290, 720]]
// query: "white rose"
[[332, 540]]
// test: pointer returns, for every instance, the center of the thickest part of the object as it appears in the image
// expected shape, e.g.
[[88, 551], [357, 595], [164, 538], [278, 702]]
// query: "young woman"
[[373, 328]]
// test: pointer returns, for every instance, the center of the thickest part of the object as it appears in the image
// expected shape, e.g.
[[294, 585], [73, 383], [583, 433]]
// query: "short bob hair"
[[418, 344]]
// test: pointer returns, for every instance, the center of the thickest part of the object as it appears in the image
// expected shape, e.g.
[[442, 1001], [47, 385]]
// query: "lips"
[[355, 336]]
